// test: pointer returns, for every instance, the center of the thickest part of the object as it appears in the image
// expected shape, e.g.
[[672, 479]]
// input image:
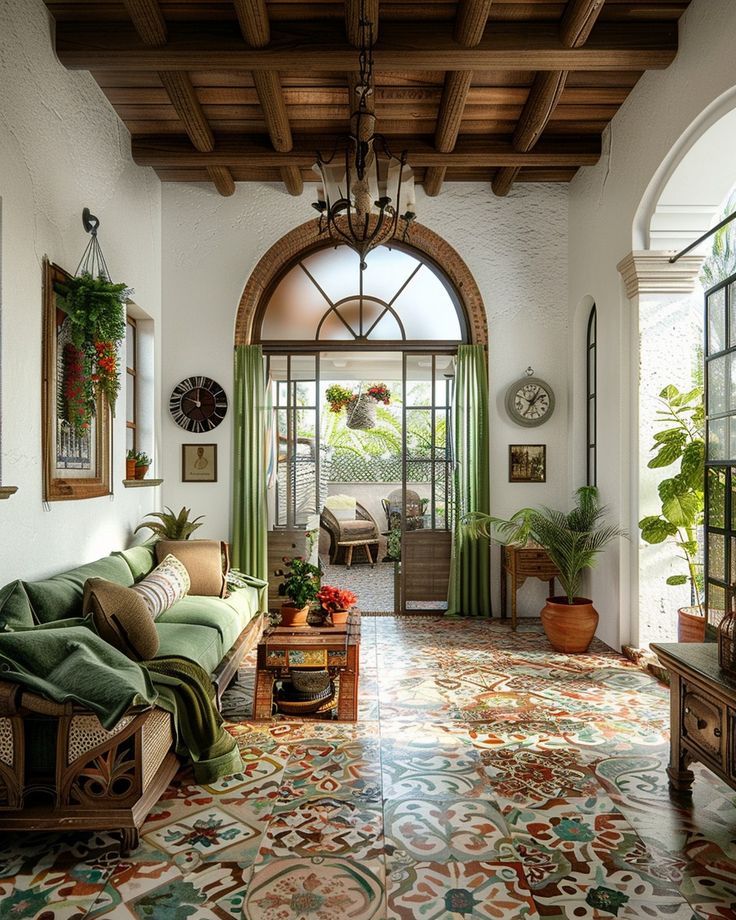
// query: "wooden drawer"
[[703, 722], [538, 569], [731, 764]]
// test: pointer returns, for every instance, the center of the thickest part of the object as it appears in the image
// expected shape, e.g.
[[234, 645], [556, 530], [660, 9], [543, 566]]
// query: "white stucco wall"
[[61, 148], [610, 205], [516, 249]]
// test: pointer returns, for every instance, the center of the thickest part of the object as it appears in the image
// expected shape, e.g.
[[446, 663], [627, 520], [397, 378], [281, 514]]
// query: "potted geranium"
[[573, 541], [336, 603], [300, 586]]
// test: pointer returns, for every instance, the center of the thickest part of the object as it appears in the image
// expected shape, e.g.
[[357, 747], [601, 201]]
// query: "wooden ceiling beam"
[[405, 47], [242, 151], [271, 97], [222, 179], [470, 21], [433, 179], [254, 24], [503, 180], [578, 20], [148, 20], [291, 176], [352, 20]]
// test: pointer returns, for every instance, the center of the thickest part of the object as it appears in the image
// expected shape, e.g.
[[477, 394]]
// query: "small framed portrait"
[[527, 462], [199, 462]]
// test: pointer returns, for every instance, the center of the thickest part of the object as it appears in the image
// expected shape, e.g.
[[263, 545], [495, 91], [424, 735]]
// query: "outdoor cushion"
[[121, 617], [141, 559], [357, 530], [229, 615], [60, 597], [15, 608], [342, 506], [197, 643], [164, 586], [203, 560]]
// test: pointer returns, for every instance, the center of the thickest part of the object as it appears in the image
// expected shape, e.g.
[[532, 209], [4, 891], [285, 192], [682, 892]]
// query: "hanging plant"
[[339, 397], [96, 311], [78, 392]]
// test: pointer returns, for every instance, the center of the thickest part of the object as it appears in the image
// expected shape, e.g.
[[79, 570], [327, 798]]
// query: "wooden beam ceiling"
[[476, 90]]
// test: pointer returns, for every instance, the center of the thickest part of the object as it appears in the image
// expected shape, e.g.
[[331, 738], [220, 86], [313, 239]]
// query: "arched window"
[[591, 389], [401, 297]]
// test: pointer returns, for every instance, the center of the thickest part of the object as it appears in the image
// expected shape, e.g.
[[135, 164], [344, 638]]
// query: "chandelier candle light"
[[368, 200]]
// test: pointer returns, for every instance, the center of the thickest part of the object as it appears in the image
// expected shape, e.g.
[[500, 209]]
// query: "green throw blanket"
[[67, 661], [185, 690]]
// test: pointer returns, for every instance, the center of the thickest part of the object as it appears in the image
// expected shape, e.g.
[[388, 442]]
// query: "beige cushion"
[[206, 562], [163, 586], [357, 530], [342, 506], [121, 617]]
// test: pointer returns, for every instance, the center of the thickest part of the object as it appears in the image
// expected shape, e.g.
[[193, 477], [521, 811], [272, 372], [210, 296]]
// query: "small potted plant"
[[170, 526], [131, 459], [142, 463], [300, 586], [336, 603], [573, 541]]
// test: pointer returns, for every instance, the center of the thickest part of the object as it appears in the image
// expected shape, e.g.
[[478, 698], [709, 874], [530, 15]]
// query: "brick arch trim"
[[306, 237]]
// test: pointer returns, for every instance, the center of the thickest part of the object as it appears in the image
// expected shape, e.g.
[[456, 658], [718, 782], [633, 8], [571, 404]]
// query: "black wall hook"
[[90, 222]]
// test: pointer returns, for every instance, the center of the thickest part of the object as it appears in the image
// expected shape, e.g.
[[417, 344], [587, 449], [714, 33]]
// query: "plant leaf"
[[655, 529], [669, 451], [677, 580]]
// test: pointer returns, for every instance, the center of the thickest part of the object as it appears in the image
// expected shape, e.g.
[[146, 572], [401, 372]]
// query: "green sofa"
[[59, 767]]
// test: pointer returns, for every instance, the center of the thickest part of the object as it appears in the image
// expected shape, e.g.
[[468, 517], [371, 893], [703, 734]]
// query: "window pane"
[[129, 439], [717, 395], [732, 314], [718, 439], [130, 356], [426, 309], [716, 604], [295, 308], [716, 556], [717, 497], [717, 321], [129, 398]]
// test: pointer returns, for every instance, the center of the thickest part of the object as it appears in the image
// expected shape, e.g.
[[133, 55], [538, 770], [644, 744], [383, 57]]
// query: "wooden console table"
[[522, 562], [333, 648], [702, 713]]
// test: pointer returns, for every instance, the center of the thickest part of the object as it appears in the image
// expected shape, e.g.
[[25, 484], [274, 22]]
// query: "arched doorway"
[[323, 323]]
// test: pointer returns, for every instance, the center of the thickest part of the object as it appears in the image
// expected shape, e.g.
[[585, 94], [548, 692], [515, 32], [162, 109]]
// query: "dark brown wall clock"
[[198, 404]]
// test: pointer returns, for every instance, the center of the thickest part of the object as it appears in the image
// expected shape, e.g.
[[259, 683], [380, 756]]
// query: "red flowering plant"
[[380, 393], [333, 599], [78, 393]]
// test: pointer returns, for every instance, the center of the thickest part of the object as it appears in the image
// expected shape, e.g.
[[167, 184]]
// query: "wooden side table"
[[333, 648], [522, 562]]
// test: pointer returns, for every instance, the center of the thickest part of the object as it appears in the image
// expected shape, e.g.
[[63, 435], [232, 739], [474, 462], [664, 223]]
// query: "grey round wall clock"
[[530, 401]]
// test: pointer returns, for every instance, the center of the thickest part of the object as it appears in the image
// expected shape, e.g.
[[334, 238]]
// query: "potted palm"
[[170, 526], [300, 586], [573, 541]]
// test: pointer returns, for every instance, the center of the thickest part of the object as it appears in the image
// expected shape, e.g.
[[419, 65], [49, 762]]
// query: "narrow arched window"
[[591, 402]]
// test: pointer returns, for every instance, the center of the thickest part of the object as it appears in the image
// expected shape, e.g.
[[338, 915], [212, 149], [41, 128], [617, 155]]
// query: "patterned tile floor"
[[487, 778]]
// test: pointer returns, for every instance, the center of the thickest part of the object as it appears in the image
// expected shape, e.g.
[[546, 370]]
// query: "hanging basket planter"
[[361, 413]]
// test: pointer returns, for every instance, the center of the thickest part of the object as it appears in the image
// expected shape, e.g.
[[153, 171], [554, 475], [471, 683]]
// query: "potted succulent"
[[360, 406], [142, 463], [573, 541], [130, 461], [680, 443], [171, 526], [336, 603], [300, 586]]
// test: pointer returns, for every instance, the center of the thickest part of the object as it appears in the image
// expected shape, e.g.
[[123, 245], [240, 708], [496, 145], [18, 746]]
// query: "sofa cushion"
[[61, 596], [164, 586], [15, 608], [206, 561], [197, 643], [121, 617], [357, 530], [229, 615], [141, 559]]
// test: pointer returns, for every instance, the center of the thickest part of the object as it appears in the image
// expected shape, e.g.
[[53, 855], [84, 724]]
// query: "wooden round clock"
[[198, 404], [530, 401]]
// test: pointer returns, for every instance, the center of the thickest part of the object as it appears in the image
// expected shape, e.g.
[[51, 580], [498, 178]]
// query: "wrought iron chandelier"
[[367, 199]]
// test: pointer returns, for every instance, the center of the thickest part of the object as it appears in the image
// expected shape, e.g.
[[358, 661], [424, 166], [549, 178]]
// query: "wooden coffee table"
[[332, 648]]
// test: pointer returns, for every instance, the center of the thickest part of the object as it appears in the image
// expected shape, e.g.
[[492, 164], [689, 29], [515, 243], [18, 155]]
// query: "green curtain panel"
[[250, 522], [470, 577]]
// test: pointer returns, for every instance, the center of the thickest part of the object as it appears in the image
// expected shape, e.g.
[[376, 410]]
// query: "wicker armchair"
[[362, 528]]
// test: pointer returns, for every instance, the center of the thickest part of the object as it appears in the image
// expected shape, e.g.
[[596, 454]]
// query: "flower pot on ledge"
[[140, 472], [130, 469], [339, 617]]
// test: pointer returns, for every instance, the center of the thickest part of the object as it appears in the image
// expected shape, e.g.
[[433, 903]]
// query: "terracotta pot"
[[294, 616], [339, 617], [130, 469], [569, 627], [140, 472], [690, 624]]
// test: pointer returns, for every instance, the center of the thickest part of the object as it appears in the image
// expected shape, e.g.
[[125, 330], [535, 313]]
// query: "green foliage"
[[573, 540], [721, 261], [171, 526], [338, 397], [95, 307], [142, 460], [301, 582], [680, 442]]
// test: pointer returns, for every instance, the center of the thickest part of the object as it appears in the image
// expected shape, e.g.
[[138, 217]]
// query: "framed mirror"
[[75, 464]]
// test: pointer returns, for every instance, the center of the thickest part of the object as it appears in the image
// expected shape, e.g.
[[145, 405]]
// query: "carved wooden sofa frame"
[[101, 780]]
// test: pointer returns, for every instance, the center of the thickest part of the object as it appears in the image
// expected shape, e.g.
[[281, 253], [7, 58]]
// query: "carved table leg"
[[129, 840], [263, 699], [347, 703], [680, 778]]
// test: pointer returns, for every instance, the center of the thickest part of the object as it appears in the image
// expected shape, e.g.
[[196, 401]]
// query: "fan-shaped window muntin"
[[322, 296]]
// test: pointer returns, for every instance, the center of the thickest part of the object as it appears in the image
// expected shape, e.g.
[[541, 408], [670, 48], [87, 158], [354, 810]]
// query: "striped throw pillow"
[[163, 586]]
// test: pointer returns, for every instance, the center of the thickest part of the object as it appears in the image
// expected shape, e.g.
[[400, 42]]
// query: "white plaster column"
[[665, 329]]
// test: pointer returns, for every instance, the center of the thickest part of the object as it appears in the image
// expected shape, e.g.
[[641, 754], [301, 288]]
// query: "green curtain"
[[470, 590], [250, 522]]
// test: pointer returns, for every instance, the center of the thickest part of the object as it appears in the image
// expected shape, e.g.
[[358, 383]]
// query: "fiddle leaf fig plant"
[[680, 443]]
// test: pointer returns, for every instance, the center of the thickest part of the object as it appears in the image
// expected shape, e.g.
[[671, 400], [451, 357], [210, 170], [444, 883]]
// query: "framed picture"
[[75, 465], [199, 462], [527, 462]]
